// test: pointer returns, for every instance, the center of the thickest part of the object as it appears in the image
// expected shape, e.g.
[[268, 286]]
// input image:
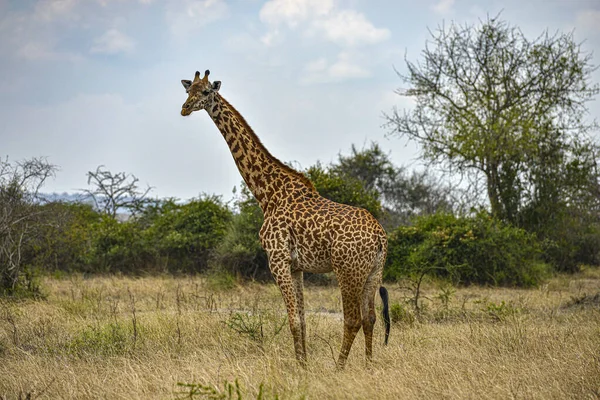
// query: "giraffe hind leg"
[[352, 322], [368, 311], [298, 279]]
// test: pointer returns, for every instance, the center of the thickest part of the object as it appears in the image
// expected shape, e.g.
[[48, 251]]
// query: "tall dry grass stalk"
[[125, 338]]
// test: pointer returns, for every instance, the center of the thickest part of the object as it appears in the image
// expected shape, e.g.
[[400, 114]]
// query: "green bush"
[[345, 189], [467, 250], [112, 339], [399, 313], [182, 236], [64, 239], [240, 252], [167, 236], [571, 241], [117, 246]]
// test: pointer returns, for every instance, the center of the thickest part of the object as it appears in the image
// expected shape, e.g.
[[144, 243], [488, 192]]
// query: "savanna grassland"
[[126, 338]]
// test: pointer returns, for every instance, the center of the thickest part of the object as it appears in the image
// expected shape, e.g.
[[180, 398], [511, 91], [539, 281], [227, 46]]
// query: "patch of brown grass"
[[126, 338]]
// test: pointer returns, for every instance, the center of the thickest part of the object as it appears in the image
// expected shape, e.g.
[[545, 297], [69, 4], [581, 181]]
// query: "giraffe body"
[[302, 231]]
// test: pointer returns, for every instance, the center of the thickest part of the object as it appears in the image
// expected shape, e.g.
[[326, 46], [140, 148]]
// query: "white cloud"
[[351, 28], [443, 6], [319, 65], [32, 34], [272, 37], [293, 12], [113, 42], [319, 18], [35, 46], [344, 68], [187, 16]]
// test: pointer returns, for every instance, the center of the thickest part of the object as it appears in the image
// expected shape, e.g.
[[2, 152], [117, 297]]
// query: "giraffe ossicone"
[[302, 231]]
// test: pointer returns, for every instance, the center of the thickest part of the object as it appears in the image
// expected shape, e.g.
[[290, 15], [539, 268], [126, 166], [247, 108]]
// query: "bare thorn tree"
[[112, 192]]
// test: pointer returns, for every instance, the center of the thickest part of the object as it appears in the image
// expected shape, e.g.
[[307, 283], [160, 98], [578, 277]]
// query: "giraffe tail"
[[386, 312]]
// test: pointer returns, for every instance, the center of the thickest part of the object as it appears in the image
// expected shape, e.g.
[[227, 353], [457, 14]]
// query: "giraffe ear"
[[216, 85], [186, 84]]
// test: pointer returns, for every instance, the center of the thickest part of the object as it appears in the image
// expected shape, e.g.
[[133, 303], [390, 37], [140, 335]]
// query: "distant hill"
[[67, 197], [122, 215]]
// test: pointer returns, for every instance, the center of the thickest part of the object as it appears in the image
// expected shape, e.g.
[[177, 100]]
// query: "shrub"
[[184, 235], [571, 241], [466, 250], [240, 252], [64, 239], [117, 246], [345, 189], [399, 313], [220, 280]]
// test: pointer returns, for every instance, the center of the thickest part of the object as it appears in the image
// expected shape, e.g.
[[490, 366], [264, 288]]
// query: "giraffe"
[[302, 231]]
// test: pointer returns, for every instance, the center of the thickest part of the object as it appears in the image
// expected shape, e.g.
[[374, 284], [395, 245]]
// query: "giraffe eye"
[[206, 92]]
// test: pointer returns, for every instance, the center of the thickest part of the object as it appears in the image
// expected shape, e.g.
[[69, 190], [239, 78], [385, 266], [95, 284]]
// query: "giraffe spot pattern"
[[303, 231]]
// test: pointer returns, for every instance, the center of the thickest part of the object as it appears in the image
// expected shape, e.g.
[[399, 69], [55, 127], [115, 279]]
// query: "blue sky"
[[91, 82]]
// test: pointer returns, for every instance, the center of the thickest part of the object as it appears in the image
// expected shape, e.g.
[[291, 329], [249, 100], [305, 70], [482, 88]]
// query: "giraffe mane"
[[300, 176]]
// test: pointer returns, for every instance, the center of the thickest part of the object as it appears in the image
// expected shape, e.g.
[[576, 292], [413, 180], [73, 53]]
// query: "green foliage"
[[469, 250], [570, 237], [400, 314], [402, 196], [240, 252], [20, 223], [260, 328], [117, 246], [183, 235], [61, 241], [371, 166], [446, 293], [345, 189], [66, 232], [220, 280], [112, 339], [498, 312], [492, 103], [496, 107], [167, 236]]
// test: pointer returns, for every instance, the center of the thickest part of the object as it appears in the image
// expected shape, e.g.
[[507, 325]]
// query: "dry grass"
[[124, 338]]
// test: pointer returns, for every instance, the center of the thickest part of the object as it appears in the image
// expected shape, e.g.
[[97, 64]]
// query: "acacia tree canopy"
[[491, 103]]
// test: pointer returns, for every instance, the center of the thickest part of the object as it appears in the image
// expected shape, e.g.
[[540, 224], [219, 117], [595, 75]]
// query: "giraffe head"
[[201, 93]]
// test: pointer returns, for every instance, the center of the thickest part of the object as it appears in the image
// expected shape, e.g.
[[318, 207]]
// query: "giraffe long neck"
[[266, 176]]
